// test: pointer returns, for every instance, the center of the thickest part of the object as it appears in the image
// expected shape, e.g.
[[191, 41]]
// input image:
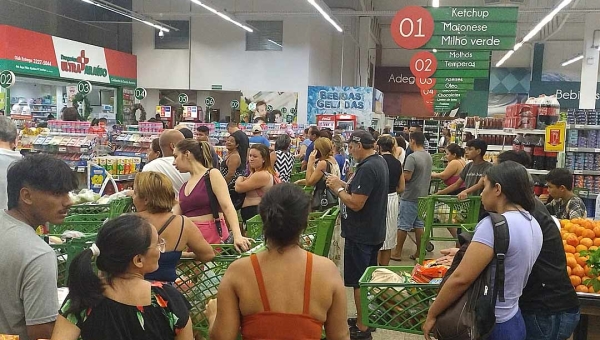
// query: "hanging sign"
[[453, 86], [163, 111], [412, 27], [190, 112], [425, 83], [461, 73], [428, 93], [555, 137], [84, 87], [235, 104], [463, 65], [140, 93], [423, 64], [183, 98], [7, 79], [209, 101]]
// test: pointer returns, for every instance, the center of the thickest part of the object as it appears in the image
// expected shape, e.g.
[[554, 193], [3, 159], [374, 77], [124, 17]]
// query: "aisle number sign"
[[209, 101], [555, 137], [235, 104], [456, 28], [183, 98], [7, 79], [84, 87], [140, 93]]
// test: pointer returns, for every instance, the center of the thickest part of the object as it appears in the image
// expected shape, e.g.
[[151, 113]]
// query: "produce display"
[[581, 240]]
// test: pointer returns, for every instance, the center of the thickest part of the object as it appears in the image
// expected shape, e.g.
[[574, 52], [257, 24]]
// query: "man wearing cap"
[[363, 211], [257, 136]]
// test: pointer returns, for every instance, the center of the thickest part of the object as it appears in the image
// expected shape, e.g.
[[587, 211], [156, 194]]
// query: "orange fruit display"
[[589, 234], [597, 241], [591, 289], [597, 231], [571, 262], [580, 235], [578, 271], [569, 249], [569, 271], [572, 240], [581, 247], [581, 289], [575, 280]]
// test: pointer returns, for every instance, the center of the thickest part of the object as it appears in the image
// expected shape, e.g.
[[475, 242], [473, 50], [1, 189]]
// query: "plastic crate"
[[445, 211], [399, 307], [297, 167], [85, 223], [297, 176], [113, 209], [66, 252], [308, 190]]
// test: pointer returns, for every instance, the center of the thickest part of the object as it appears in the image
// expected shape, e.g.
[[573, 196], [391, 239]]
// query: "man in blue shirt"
[[313, 134], [258, 137]]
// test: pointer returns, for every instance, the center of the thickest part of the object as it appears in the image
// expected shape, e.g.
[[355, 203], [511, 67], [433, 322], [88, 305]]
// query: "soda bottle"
[[539, 156], [517, 144]]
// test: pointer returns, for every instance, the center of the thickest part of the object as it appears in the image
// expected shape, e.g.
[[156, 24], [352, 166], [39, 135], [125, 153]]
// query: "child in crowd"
[[565, 204]]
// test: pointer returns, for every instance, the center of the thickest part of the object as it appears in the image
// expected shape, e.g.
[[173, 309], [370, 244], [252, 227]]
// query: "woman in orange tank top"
[[283, 292]]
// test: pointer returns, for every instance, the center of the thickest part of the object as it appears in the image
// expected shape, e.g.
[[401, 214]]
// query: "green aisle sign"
[[475, 14], [474, 29], [461, 73], [466, 42], [463, 65], [463, 55], [452, 86], [447, 100]]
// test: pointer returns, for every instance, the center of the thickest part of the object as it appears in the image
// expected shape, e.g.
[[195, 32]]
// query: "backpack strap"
[[213, 202], [501, 243]]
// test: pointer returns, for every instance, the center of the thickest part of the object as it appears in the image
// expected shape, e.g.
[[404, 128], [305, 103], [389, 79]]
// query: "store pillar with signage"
[[57, 64]]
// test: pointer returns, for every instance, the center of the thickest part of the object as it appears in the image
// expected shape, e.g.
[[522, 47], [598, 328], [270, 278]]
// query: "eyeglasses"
[[161, 245]]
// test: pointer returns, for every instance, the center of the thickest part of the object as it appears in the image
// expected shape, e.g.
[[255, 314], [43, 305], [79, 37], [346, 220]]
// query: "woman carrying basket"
[[283, 292]]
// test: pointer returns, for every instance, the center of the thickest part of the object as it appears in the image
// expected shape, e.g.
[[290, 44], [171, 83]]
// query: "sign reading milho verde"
[[35, 54], [456, 28]]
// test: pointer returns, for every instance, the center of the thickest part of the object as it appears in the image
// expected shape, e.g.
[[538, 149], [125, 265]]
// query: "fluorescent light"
[[326, 15], [505, 58], [535, 30], [222, 15], [125, 14], [569, 62], [435, 3], [276, 43]]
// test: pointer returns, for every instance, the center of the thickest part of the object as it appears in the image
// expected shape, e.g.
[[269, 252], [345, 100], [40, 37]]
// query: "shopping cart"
[[66, 252], [445, 211]]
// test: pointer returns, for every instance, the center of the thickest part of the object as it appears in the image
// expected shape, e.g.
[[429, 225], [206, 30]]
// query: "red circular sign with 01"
[[425, 83], [412, 27], [423, 64]]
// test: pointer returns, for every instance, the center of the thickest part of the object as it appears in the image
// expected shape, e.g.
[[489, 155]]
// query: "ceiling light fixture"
[[132, 15], [274, 42], [571, 61], [222, 15], [326, 15], [435, 3], [535, 30]]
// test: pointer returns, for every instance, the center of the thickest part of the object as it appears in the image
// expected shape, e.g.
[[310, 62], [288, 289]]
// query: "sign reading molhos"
[[335, 100]]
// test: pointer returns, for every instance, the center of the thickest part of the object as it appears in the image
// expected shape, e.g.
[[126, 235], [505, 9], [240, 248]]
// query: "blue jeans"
[[558, 326], [513, 329]]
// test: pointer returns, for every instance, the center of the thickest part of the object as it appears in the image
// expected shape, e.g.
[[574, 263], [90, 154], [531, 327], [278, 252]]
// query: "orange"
[[581, 247], [572, 240], [597, 242], [589, 234], [584, 280], [581, 289], [597, 230], [582, 261], [579, 231], [571, 262], [587, 242], [575, 280], [569, 249], [569, 270], [587, 224], [578, 271], [591, 289], [593, 248]]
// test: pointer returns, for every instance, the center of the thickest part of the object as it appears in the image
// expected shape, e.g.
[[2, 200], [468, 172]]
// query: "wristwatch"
[[340, 190]]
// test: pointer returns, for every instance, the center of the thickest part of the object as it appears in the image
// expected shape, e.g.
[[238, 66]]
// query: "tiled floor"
[[409, 248]]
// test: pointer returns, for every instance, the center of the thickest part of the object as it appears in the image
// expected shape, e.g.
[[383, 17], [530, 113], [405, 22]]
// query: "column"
[[589, 64]]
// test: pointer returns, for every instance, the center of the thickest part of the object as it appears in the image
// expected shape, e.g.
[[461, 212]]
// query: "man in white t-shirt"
[[168, 140], [8, 141]]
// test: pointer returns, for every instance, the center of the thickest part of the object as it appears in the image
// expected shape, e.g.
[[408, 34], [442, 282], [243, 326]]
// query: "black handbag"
[[214, 208], [323, 198]]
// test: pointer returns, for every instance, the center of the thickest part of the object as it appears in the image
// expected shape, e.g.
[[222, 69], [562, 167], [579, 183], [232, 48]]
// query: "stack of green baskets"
[[297, 176], [88, 218], [399, 307], [66, 252]]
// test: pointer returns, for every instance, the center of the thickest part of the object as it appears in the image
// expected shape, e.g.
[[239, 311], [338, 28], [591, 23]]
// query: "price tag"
[[574, 149], [83, 150], [412, 27], [579, 126], [62, 149], [423, 64]]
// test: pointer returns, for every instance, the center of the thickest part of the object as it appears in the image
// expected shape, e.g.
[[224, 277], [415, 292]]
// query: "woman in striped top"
[[282, 159]]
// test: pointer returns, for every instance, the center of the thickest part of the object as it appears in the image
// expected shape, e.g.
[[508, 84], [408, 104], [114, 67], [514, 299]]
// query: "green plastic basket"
[[399, 307], [445, 211], [66, 252], [113, 209], [297, 167], [438, 159], [297, 176], [308, 190], [85, 223]]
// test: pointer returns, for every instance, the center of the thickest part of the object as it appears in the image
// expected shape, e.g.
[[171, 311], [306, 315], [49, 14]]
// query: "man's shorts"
[[408, 216], [357, 257]]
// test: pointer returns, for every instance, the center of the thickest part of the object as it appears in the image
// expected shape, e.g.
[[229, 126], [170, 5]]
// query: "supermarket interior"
[[115, 88]]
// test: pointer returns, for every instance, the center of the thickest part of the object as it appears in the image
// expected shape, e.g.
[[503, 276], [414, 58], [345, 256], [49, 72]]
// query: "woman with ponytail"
[[284, 292], [194, 200], [120, 304]]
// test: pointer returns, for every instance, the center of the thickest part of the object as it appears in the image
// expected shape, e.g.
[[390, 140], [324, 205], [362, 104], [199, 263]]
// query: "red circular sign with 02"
[[423, 64], [412, 27], [425, 83]]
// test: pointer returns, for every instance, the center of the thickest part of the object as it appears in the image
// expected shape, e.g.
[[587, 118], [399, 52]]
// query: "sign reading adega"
[[35, 54]]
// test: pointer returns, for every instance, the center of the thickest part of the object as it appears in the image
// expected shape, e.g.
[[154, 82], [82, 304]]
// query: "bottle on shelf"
[[528, 146], [538, 187], [517, 144], [539, 156]]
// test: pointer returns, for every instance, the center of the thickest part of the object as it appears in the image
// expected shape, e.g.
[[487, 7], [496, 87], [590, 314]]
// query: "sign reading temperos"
[[455, 28]]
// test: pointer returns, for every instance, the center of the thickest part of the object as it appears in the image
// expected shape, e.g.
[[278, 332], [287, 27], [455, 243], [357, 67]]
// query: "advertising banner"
[[269, 107], [567, 93], [340, 99], [35, 54]]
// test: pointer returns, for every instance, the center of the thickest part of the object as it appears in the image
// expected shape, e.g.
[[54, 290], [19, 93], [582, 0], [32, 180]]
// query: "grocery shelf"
[[488, 132], [578, 149], [499, 147], [583, 127], [538, 172], [525, 131], [586, 172], [121, 178]]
